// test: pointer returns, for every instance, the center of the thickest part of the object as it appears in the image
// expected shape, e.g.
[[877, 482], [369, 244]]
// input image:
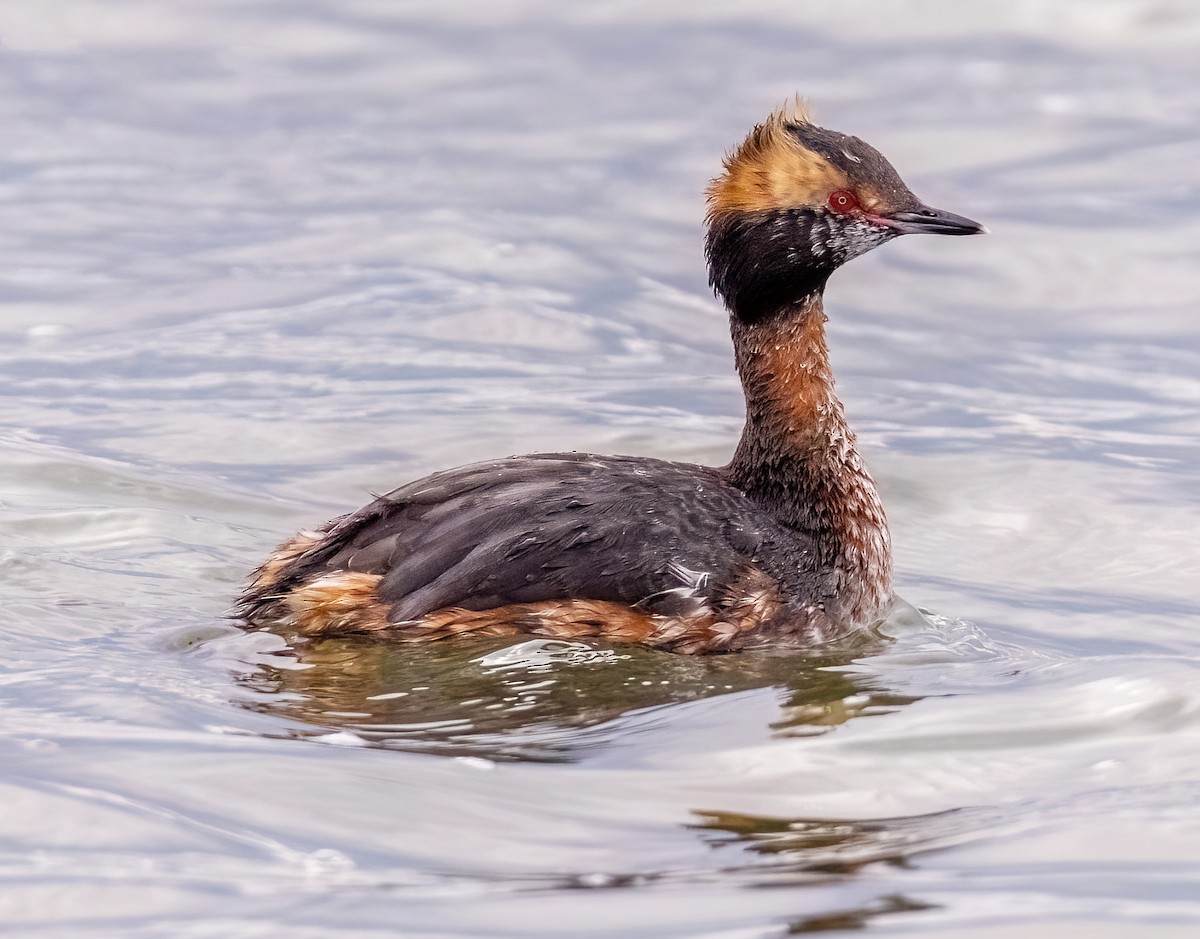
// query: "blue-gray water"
[[258, 259]]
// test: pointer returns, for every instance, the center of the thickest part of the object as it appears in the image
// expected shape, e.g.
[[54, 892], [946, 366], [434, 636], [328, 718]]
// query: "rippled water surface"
[[258, 259]]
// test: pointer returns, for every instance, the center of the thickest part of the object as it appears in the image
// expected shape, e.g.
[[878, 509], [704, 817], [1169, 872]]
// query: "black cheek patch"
[[762, 262]]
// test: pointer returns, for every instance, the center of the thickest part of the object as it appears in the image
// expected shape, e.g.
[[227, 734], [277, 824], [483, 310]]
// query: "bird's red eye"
[[843, 201]]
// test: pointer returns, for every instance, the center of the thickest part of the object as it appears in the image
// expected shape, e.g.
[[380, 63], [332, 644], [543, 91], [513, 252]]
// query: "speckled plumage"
[[788, 543], [666, 538]]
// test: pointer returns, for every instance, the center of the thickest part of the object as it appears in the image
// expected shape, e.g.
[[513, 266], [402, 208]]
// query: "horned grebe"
[[788, 543]]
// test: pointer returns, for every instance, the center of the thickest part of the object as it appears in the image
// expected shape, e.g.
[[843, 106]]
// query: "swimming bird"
[[786, 544]]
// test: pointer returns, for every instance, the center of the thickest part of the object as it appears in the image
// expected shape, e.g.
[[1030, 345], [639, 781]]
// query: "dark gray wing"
[[554, 526]]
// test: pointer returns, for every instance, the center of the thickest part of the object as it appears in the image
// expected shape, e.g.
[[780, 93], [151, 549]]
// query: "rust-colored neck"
[[797, 452]]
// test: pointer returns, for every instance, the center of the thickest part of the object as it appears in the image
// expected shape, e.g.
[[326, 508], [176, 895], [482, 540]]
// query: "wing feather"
[[661, 535]]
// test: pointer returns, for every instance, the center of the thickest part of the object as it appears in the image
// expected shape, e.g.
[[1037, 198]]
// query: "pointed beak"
[[925, 220]]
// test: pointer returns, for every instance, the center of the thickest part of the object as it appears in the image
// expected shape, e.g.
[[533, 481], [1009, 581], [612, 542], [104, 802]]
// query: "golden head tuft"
[[772, 169], [796, 111]]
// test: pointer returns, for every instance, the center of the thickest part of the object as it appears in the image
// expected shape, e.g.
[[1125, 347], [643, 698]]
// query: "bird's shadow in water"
[[539, 700], [547, 701]]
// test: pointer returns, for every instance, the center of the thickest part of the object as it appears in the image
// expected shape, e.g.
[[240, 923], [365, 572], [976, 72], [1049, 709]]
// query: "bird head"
[[795, 202]]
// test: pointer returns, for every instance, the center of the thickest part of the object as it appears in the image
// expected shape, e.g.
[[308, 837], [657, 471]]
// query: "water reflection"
[[539, 700], [794, 851], [813, 846], [546, 701], [858, 918]]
